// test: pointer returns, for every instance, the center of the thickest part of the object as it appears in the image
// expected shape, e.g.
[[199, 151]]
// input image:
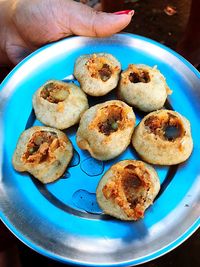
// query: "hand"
[[26, 25]]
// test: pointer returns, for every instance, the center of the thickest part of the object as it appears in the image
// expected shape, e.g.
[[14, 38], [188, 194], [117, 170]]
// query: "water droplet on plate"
[[66, 175], [86, 201], [75, 159], [92, 167]]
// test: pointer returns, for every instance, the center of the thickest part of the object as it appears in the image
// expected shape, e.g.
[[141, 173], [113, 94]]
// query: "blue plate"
[[62, 220]]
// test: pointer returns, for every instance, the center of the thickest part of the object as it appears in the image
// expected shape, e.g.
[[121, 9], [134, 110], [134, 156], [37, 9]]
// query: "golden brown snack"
[[44, 152], [143, 87], [163, 137], [97, 73], [59, 104], [105, 129], [127, 189]]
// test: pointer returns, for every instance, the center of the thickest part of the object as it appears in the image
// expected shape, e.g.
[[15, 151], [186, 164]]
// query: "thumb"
[[88, 22], [42, 21]]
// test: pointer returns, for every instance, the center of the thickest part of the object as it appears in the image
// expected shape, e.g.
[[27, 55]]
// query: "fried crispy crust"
[[44, 152], [57, 111], [152, 143], [97, 73], [143, 87], [127, 189], [97, 134]]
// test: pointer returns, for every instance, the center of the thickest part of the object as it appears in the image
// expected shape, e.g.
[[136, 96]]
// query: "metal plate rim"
[[145, 259], [164, 250]]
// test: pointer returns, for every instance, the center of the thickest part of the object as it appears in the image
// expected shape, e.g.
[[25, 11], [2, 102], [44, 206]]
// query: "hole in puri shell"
[[54, 92], [168, 127], [171, 132], [111, 120], [105, 72], [39, 145], [128, 190], [139, 76], [134, 184], [131, 183]]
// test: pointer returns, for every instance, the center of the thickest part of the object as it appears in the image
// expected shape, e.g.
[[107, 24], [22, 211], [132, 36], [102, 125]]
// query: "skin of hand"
[[26, 25]]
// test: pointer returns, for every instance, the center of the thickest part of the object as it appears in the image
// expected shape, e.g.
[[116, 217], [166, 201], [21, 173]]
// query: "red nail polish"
[[126, 12]]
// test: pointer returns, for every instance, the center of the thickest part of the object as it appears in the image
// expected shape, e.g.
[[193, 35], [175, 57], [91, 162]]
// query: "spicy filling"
[[138, 76], [41, 146], [111, 119], [129, 190], [167, 126], [105, 72], [54, 92], [99, 68]]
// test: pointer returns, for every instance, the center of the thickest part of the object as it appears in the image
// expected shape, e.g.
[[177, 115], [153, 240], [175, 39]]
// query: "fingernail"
[[126, 12]]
